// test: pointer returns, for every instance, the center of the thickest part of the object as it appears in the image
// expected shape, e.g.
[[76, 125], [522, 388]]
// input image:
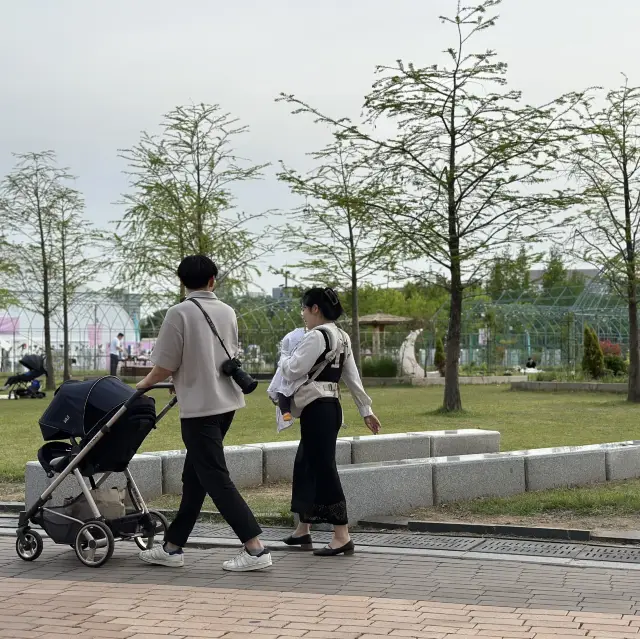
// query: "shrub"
[[615, 364], [380, 367], [609, 348], [439, 359], [593, 358], [550, 376]]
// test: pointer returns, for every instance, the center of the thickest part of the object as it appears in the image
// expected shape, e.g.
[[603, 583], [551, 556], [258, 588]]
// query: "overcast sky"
[[84, 77]]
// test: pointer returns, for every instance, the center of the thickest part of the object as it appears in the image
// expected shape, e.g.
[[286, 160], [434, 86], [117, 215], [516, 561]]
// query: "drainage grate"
[[423, 542], [206, 529], [383, 540], [541, 549], [609, 553]]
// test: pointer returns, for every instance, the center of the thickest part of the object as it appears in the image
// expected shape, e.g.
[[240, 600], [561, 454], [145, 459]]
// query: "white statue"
[[409, 364]]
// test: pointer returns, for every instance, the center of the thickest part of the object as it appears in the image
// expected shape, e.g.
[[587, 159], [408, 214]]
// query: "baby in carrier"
[[280, 390]]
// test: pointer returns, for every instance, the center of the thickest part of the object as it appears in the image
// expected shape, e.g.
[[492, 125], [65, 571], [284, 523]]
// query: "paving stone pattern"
[[361, 597]]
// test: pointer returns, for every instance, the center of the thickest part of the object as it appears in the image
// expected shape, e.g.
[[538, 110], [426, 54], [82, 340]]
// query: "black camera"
[[233, 368]]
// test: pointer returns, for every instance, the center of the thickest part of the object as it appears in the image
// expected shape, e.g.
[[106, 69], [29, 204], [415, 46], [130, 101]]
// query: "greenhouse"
[[547, 326], [497, 334]]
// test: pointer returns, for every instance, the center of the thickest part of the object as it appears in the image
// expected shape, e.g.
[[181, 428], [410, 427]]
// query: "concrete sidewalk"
[[362, 597]]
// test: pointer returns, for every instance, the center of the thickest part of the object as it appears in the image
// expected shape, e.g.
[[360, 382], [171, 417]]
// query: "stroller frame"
[[20, 385], [98, 533], [22, 388]]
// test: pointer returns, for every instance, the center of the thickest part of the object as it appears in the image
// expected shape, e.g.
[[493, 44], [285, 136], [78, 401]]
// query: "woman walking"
[[324, 355]]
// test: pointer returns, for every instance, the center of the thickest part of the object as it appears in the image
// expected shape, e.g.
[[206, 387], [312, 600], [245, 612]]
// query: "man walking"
[[187, 349], [115, 352]]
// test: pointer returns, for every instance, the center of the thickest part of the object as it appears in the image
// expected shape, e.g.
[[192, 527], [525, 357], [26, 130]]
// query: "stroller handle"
[[141, 391]]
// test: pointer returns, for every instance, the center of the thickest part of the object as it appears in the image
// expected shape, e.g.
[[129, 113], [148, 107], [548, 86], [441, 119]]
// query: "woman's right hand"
[[373, 424]]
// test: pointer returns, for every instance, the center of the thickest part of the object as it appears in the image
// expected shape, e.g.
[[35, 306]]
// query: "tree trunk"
[[633, 393], [66, 373], [48, 350], [46, 310], [452, 400]]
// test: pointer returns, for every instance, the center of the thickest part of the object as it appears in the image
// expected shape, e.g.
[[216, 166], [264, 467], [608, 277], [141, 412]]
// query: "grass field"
[[525, 420]]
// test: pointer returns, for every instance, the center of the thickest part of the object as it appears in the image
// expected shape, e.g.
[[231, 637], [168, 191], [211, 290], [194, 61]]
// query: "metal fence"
[[496, 334]]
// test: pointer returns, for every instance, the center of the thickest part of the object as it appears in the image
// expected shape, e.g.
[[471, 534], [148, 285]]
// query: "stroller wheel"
[[94, 544], [160, 526], [30, 546]]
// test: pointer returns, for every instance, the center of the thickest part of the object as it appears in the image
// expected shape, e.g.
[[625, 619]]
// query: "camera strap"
[[212, 326]]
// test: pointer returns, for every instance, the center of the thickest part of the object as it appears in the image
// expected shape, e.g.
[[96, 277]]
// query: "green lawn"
[[526, 420]]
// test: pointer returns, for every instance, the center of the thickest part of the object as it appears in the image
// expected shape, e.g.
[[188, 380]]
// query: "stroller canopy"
[[34, 363], [78, 406]]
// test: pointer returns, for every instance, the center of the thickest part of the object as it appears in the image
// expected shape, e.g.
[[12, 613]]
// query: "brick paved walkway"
[[365, 597]]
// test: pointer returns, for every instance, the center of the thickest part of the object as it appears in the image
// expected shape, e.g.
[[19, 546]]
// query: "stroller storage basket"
[[130, 524], [56, 523]]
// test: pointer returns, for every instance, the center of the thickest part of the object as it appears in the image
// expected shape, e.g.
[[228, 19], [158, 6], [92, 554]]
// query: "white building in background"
[[94, 320]]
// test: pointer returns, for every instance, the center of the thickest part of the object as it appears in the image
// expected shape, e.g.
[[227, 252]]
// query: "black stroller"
[[27, 385], [106, 421]]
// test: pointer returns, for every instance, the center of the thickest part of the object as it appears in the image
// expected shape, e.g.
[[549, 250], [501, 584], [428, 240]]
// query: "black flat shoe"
[[305, 542], [347, 549]]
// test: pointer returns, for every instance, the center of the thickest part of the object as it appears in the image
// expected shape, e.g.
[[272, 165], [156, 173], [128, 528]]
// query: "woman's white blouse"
[[301, 361]]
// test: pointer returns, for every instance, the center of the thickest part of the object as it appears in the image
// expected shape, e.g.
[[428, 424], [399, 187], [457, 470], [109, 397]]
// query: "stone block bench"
[[252, 465], [380, 448], [548, 468], [145, 469], [244, 463], [278, 459], [464, 477], [389, 488], [419, 445], [464, 441], [398, 487]]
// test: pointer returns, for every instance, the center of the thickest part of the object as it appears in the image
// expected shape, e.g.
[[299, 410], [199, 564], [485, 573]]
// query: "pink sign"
[[94, 332], [9, 324]]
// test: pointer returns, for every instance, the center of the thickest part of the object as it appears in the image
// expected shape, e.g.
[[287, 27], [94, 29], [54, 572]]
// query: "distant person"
[[115, 352], [531, 363]]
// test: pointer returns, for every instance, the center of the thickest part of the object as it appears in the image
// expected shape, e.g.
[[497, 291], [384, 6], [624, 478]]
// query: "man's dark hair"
[[327, 301], [120, 334], [195, 271]]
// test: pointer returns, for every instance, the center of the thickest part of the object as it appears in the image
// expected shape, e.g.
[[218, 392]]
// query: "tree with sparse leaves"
[[336, 228], [31, 195], [7, 268], [606, 163], [75, 238], [555, 273], [182, 203], [470, 162], [507, 273]]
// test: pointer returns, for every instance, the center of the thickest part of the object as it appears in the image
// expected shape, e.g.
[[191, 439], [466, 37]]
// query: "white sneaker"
[[244, 562], [159, 556]]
